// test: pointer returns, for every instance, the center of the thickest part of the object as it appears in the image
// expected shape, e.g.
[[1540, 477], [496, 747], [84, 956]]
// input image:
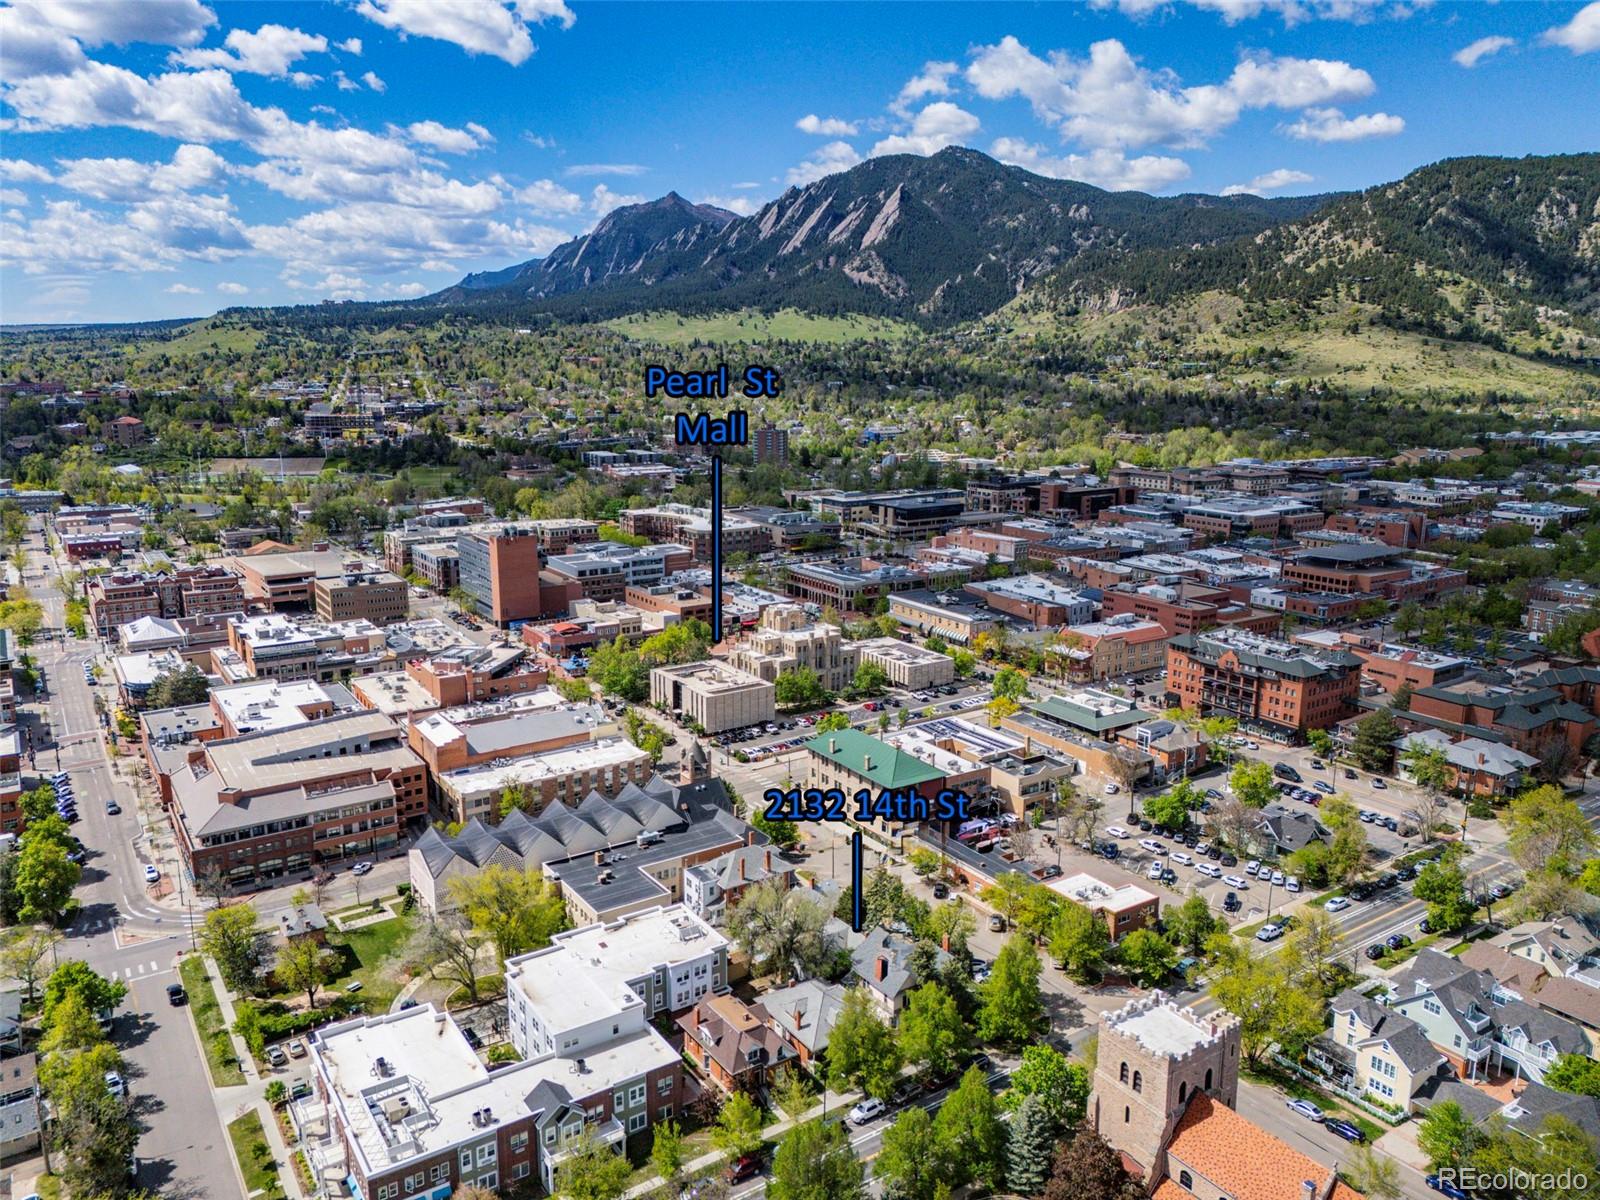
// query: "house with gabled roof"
[[884, 964], [1374, 1050]]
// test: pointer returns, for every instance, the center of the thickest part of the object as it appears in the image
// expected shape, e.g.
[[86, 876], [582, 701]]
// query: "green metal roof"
[[891, 768], [1056, 708]]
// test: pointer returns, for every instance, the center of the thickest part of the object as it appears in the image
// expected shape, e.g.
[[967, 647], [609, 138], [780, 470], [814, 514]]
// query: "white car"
[[1153, 871], [361, 868], [1269, 933], [1306, 1109], [1152, 845], [1210, 870], [1236, 881], [1252, 868], [1181, 859], [151, 873], [116, 1085], [1112, 789], [868, 1110], [1292, 884], [1277, 879], [1116, 831], [1337, 904]]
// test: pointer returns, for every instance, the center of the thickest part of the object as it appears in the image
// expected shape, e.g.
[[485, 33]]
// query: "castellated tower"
[[1153, 1056]]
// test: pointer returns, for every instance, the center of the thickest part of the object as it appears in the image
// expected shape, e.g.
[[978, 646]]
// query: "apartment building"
[[1403, 528], [1182, 606], [360, 592], [859, 584], [1269, 686], [787, 639], [851, 761], [713, 695], [606, 570], [404, 1107], [1392, 666], [907, 665], [499, 570], [1369, 567], [278, 647], [553, 535], [1245, 516], [788, 529], [1117, 646], [120, 598], [1036, 600], [279, 802], [690, 527], [476, 733], [437, 564], [268, 704], [603, 765], [770, 444]]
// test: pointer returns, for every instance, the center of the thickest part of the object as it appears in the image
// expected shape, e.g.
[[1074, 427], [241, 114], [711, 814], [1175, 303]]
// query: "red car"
[[747, 1166]]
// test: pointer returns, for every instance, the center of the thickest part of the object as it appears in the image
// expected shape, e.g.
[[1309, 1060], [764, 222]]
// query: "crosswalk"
[[140, 969]]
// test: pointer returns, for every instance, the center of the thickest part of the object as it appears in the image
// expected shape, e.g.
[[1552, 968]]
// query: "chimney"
[[768, 863], [866, 761], [742, 875], [599, 858], [749, 840], [883, 967], [799, 1017], [833, 745], [1308, 1189]]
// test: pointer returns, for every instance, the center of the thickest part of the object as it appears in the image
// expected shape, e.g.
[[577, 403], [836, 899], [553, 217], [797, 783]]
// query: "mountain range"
[[1468, 247]]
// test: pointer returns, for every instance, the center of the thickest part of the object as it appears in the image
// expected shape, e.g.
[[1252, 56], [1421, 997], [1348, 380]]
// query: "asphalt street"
[[120, 930]]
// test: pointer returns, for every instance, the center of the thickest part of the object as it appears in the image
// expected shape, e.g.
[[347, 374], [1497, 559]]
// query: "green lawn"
[[255, 1156], [372, 955], [1299, 1089], [207, 1014], [748, 325], [441, 479]]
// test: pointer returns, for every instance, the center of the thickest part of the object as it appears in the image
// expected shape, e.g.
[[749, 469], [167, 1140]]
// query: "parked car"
[[1337, 904], [997, 923], [152, 873], [1500, 891], [1231, 903], [1406, 874], [113, 809], [867, 1111], [1306, 1109], [277, 1057], [176, 996], [1374, 952], [1269, 933], [1445, 1186], [1349, 774], [940, 891], [116, 1085], [1155, 871], [1344, 1129], [1277, 878], [1323, 785], [1252, 868], [1397, 941], [1291, 884], [299, 1089], [1230, 860], [746, 1166], [361, 868], [1236, 881]]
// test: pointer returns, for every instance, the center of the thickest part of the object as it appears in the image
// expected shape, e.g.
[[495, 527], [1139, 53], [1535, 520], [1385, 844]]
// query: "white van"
[[1152, 845], [1210, 869], [1181, 859], [1116, 831]]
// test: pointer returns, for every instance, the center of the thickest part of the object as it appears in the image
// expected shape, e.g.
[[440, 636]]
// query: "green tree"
[[1191, 925], [791, 1094], [573, 691], [832, 722], [1173, 806], [174, 689], [737, 1131], [594, 1170], [969, 1135], [37, 804], [908, 1164], [1374, 1175], [23, 955], [1148, 957], [78, 978], [619, 670], [1060, 1087], [1577, 1073], [233, 936], [1030, 1147], [933, 1037], [44, 880], [1252, 783], [94, 1133], [800, 687], [304, 966], [1347, 848], [1547, 831], [783, 834], [517, 910], [1013, 1006], [72, 1027], [815, 1161], [666, 1152], [1009, 683], [870, 680], [1443, 885], [1373, 743], [862, 1052], [1321, 743], [1007, 894], [1079, 941], [963, 663], [783, 929]]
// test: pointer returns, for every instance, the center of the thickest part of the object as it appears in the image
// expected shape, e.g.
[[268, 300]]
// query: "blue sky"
[[166, 158]]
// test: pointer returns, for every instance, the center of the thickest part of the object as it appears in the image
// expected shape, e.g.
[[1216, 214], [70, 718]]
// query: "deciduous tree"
[[933, 1037], [1061, 1087], [862, 1052], [517, 911], [1013, 1007], [738, 1128], [969, 1135], [1147, 956], [304, 966], [1079, 941], [783, 929], [815, 1161], [234, 937]]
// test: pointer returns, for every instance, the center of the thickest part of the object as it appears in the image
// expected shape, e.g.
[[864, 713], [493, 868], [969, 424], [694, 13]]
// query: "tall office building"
[[771, 444]]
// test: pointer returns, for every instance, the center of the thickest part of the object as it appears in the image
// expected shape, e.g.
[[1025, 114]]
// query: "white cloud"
[[20, 170], [1109, 99], [938, 125], [740, 187], [126, 180], [452, 141], [1292, 11], [827, 159], [1331, 125], [232, 289], [1104, 167], [270, 50], [932, 80], [1473, 54], [96, 23], [156, 234], [547, 198], [379, 237], [477, 26], [603, 200], [29, 47], [580, 170], [13, 196], [743, 205], [405, 290], [349, 46], [181, 289], [825, 126], [534, 139], [1272, 181], [371, 79], [345, 83], [1581, 35]]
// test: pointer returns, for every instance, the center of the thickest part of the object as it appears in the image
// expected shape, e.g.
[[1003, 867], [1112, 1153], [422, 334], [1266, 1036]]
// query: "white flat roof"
[[268, 704], [1096, 893], [1163, 1028], [532, 768]]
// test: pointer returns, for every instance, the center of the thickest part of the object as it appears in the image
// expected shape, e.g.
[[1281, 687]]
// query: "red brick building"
[[1269, 686]]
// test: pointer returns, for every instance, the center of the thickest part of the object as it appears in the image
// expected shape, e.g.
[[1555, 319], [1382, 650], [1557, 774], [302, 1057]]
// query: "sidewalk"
[[253, 1097]]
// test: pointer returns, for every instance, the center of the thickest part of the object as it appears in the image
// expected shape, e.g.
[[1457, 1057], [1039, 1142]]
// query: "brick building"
[[1270, 687], [117, 599]]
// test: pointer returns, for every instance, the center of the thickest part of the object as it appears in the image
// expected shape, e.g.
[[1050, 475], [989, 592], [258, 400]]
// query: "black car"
[[1145, 827], [1397, 941], [1213, 853], [1230, 902], [1425, 926], [472, 1037], [176, 996], [1391, 825], [1361, 891], [1406, 874], [1374, 952], [1110, 851], [1388, 879], [940, 891], [1230, 860], [1349, 774], [1345, 1130], [1190, 840]]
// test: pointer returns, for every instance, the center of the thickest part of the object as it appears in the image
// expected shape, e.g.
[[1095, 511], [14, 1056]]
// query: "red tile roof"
[[1242, 1159]]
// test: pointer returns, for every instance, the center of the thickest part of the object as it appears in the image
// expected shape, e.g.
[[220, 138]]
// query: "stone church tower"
[[1153, 1056]]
